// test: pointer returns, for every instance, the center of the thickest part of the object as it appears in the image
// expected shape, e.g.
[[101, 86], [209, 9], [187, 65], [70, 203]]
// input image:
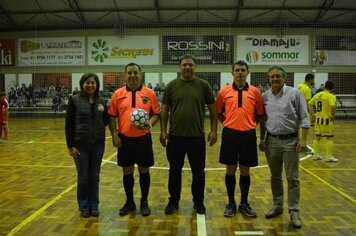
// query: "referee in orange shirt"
[[239, 105], [134, 144]]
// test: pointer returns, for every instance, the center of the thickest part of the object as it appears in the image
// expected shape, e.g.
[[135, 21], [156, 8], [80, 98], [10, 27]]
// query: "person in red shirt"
[[4, 115], [239, 105], [134, 143]]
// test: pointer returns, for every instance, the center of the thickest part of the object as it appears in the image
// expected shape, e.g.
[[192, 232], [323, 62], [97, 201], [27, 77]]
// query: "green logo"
[[252, 57], [100, 52]]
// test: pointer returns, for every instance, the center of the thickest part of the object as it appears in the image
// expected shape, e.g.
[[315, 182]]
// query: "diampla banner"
[[143, 50], [207, 49], [335, 50], [273, 50], [51, 51], [7, 52]]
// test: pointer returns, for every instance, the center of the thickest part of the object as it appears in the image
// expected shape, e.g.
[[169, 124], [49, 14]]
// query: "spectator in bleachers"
[[157, 89], [29, 95], [215, 89], [64, 91], [163, 87], [44, 91], [56, 102], [51, 91], [76, 91], [261, 88], [13, 96], [65, 103], [22, 92]]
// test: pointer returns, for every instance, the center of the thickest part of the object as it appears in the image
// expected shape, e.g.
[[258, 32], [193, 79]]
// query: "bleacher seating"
[[43, 111], [43, 108], [346, 106]]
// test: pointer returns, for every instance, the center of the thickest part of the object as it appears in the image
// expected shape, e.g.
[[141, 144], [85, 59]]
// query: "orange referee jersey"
[[124, 101], [240, 106]]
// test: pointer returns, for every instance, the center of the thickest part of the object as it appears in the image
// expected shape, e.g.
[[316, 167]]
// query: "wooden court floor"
[[38, 191]]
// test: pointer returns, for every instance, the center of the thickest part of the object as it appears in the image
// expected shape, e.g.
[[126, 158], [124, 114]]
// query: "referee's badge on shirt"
[[145, 99], [100, 108]]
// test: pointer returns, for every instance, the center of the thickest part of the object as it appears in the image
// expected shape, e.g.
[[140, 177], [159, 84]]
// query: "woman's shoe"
[[85, 213]]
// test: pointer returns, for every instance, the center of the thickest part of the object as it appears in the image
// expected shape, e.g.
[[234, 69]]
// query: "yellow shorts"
[[324, 127]]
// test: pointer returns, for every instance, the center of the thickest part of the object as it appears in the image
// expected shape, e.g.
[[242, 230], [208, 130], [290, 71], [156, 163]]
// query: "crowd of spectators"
[[32, 96], [57, 96]]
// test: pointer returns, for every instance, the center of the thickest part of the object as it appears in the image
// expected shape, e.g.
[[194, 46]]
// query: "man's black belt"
[[284, 136]]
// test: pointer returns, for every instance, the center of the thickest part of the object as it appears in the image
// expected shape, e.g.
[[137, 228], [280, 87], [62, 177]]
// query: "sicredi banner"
[[273, 50], [143, 50], [7, 52], [207, 49], [51, 51]]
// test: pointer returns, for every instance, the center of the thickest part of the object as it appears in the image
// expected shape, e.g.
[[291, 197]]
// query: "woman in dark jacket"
[[85, 134]]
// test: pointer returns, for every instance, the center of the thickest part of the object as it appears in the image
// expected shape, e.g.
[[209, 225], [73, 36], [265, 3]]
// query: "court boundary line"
[[206, 169], [248, 233], [345, 195], [34, 215], [201, 225]]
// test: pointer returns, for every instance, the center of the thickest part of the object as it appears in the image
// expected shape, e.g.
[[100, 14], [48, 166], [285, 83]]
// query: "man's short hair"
[[280, 68], [133, 64], [187, 56], [309, 77], [241, 63], [329, 85]]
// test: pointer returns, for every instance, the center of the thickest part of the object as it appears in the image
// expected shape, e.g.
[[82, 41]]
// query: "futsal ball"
[[139, 117]]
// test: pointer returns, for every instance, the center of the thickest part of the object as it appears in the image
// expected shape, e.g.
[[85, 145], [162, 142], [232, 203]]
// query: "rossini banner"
[[335, 50], [143, 50], [207, 49], [51, 51], [271, 50]]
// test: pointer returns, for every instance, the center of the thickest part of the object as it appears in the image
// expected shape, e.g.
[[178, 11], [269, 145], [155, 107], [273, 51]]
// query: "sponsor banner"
[[207, 49], [51, 51], [335, 50], [7, 52], [143, 50], [272, 50]]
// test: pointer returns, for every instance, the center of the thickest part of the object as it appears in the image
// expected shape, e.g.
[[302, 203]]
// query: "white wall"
[[167, 77], [320, 78], [10, 80], [299, 78], [225, 78], [152, 78], [25, 79]]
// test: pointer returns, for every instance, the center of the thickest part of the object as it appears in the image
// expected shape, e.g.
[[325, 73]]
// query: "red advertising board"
[[7, 52]]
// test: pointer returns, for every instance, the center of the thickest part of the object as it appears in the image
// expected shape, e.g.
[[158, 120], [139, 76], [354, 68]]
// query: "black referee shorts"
[[238, 147], [135, 150]]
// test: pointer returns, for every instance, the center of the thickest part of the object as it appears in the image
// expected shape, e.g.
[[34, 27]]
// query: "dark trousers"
[[88, 165], [177, 148]]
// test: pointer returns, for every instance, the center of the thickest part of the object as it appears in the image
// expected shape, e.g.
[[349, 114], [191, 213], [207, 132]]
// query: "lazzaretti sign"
[[271, 50], [207, 49], [66, 51]]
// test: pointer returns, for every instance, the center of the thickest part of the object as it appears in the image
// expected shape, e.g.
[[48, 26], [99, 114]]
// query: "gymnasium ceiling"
[[22, 15]]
